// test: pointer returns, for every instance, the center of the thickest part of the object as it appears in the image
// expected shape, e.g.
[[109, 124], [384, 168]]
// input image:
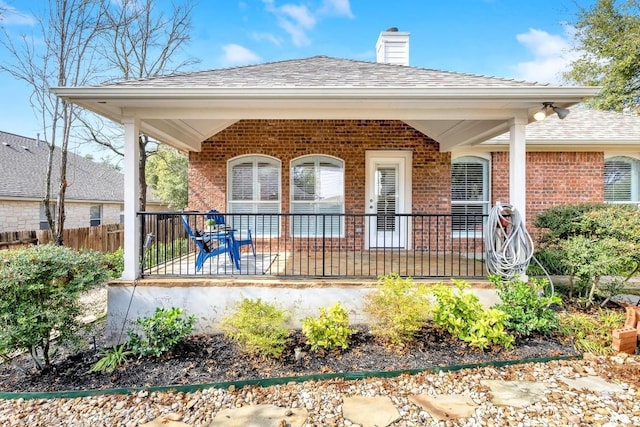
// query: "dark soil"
[[212, 359]]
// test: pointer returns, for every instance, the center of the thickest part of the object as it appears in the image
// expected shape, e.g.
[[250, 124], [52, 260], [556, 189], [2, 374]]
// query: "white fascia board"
[[556, 94]]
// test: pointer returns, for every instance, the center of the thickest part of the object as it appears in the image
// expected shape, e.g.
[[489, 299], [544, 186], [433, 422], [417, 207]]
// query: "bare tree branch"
[[61, 54]]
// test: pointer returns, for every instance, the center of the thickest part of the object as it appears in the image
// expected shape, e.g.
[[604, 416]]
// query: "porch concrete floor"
[[328, 264]]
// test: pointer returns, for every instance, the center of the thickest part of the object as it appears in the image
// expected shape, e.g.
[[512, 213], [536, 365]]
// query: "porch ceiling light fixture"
[[542, 114]]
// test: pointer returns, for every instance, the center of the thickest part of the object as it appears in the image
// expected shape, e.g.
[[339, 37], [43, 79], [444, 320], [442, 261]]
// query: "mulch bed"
[[212, 359]]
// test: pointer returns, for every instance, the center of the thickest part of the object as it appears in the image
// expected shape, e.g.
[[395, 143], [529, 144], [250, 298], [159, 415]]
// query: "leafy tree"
[[608, 35], [167, 175]]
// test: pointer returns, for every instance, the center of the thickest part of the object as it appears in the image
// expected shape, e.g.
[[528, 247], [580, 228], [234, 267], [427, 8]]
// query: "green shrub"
[[528, 308], [591, 334], [562, 222], [398, 309], [328, 331], [160, 332], [258, 327], [462, 315], [111, 359], [114, 263], [589, 241], [40, 288]]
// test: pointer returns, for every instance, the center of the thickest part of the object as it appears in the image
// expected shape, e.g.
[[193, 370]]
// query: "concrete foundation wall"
[[211, 303]]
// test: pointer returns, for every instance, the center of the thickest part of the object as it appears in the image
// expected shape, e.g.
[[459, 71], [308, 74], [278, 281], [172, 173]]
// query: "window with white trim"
[[469, 194], [95, 215], [254, 188], [621, 180], [317, 192], [44, 224]]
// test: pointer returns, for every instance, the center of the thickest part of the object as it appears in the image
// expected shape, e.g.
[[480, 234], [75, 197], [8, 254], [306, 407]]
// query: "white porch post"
[[131, 199], [518, 165]]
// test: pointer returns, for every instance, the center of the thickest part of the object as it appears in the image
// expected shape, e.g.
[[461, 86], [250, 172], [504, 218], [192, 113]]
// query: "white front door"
[[388, 187]]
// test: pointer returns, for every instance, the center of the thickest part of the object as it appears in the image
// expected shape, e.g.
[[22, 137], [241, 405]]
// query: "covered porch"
[[307, 246], [453, 112]]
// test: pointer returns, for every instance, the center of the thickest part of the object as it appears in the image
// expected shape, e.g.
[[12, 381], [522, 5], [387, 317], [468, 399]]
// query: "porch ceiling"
[[454, 116]]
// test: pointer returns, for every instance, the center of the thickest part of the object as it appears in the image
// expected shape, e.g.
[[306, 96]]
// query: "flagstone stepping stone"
[[260, 416], [447, 406], [592, 383], [515, 393], [166, 420], [366, 411]]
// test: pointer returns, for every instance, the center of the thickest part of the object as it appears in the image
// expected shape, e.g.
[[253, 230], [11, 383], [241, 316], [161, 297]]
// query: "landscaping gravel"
[[561, 405]]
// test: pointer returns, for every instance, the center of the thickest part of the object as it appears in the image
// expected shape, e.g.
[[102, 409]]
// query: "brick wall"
[[344, 139], [552, 179]]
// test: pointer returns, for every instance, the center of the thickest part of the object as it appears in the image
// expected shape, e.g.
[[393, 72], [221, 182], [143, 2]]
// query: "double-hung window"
[[317, 196], [95, 215], [469, 195], [254, 188], [621, 180], [44, 224]]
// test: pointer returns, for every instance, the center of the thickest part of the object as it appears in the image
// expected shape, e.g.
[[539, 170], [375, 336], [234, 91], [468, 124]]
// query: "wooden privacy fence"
[[17, 239], [103, 238]]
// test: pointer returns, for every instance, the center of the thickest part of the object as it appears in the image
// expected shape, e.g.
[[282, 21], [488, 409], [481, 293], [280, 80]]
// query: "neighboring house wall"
[[25, 216], [347, 140]]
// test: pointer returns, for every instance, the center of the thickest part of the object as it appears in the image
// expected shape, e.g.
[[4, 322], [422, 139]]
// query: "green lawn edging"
[[265, 382]]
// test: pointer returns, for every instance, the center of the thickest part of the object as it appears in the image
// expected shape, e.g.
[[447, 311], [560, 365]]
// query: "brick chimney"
[[393, 47]]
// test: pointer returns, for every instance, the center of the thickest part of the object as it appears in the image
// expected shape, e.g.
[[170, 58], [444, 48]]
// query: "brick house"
[[378, 156], [94, 194], [342, 123]]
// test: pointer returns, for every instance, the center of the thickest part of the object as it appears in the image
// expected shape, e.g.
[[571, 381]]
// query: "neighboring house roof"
[[583, 126], [23, 166], [323, 72], [456, 109]]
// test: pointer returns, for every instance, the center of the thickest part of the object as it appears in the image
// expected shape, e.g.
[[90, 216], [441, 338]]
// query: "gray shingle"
[[23, 165], [323, 71], [583, 124]]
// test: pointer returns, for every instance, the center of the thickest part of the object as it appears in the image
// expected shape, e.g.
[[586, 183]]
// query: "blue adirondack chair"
[[238, 238], [205, 244]]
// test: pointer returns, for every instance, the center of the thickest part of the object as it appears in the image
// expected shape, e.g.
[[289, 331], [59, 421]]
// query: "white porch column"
[[131, 198], [518, 165]]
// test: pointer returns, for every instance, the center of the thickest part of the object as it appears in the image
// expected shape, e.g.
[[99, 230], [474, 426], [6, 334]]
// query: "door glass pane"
[[387, 197]]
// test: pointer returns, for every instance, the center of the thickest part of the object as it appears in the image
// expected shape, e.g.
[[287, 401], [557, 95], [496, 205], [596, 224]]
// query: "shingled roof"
[[583, 126], [23, 166], [323, 71]]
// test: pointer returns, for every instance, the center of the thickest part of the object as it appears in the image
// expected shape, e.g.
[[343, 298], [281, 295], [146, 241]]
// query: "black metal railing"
[[312, 245]]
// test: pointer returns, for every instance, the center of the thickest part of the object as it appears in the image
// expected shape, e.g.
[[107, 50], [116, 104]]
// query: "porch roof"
[[456, 109]]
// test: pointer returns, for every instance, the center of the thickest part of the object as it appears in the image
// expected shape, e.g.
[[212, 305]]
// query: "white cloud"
[[552, 56], [267, 37], [12, 16], [298, 19], [337, 8], [234, 54], [300, 15]]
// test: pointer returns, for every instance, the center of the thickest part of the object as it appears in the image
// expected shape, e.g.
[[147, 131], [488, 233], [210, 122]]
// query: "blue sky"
[[523, 39]]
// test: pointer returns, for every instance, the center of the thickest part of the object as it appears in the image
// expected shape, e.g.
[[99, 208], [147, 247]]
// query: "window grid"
[[317, 192], [469, 195]]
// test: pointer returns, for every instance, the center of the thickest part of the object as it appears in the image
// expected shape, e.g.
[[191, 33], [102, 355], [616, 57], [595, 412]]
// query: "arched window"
[[254, 188], [317, 190], [469, 193], [621, 180]]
